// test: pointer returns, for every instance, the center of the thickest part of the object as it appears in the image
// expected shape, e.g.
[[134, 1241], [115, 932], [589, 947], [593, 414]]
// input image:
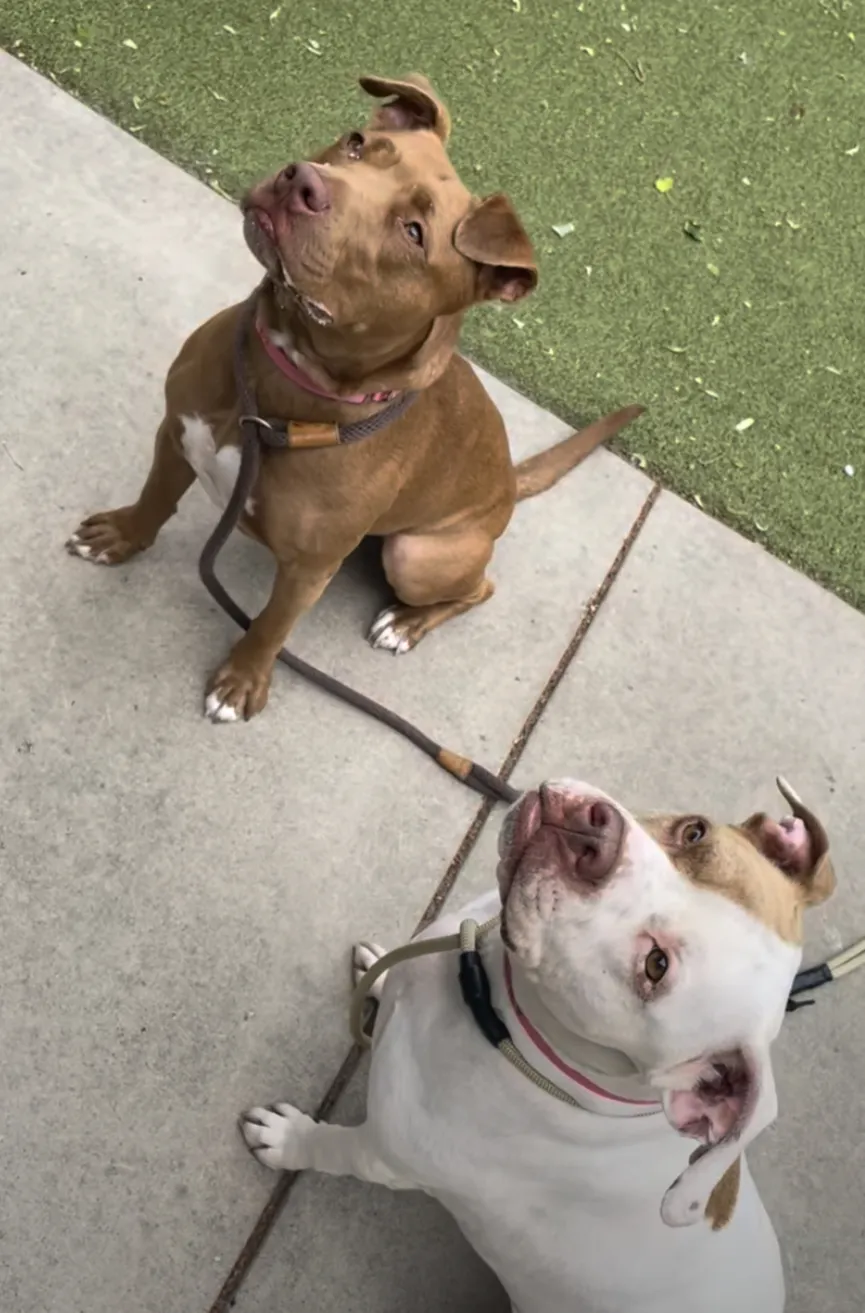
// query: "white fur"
[[565, 1203], [384, 635], [218, 711], [78, 548], [216, 470]]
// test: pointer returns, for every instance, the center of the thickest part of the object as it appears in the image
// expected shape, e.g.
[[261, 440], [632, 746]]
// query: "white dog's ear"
[[798, 845], [724, 1100]]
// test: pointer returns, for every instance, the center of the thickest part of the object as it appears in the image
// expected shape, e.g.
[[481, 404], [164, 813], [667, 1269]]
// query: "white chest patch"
[[216, 470]]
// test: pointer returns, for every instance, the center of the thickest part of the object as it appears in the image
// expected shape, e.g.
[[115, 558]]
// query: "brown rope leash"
[[256, 432]]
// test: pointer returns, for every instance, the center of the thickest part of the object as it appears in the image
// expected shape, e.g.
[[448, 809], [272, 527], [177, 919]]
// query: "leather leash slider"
[[301, 436]]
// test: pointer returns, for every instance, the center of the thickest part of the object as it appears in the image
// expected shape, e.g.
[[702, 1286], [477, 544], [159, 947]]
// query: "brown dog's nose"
[[591, 829], [305, 189]]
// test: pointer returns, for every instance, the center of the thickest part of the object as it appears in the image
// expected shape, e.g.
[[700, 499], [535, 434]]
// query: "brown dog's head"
[[377, 237]]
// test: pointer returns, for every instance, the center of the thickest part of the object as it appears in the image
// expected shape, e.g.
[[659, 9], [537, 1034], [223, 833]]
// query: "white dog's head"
[[673, 940]]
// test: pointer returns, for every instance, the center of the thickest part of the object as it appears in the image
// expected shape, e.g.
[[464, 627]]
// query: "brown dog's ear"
[[415, 106], [492, 236], [798, 845]]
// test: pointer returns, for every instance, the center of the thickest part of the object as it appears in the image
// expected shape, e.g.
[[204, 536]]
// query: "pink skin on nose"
[[559, 833]]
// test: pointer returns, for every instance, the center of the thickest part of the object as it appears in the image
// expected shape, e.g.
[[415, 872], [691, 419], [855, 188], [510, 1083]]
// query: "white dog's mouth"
[[558, 833]]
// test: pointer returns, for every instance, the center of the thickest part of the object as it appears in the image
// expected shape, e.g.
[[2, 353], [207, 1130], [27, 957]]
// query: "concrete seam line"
[[517, 748], [272, 1210], [282, 1190]]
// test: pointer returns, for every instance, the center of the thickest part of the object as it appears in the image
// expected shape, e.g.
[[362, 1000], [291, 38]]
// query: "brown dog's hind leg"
[[110, 537], [436, 577]]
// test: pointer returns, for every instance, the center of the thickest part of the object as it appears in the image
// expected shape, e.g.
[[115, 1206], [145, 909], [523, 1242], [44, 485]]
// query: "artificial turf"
[[734, 295]]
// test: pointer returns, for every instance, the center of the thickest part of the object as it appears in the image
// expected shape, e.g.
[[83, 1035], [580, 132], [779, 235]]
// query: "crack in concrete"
[[279, 1197]]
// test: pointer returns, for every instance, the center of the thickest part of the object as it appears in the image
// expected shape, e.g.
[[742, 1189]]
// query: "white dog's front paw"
[[276, 1136], [363, 956]]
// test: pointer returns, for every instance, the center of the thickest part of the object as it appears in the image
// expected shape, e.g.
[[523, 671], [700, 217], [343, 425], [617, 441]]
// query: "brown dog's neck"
[[340, 363]]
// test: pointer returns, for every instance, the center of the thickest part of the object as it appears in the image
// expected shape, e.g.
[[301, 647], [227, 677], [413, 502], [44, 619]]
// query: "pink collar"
[[536, 1038], [297, 376]]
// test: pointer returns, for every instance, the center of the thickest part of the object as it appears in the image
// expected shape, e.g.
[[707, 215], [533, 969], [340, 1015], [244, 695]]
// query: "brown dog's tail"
[[540, 472]]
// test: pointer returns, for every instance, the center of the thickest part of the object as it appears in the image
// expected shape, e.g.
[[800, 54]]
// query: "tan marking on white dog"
[[730, 860], [722, 1200]]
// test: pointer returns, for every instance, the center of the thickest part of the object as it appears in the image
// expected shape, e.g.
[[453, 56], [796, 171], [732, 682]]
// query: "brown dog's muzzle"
[[302, 190]]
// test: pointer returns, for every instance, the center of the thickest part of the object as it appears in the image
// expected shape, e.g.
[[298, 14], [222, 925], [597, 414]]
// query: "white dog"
[[642, 968]]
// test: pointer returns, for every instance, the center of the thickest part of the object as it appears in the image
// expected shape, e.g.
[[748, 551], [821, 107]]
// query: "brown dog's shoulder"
[[201, 376]]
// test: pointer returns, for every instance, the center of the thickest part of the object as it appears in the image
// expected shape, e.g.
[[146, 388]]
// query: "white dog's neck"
[[599, 1079]]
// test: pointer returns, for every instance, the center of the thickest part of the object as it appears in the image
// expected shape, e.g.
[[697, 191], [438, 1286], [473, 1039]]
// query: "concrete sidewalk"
[[179, 900]]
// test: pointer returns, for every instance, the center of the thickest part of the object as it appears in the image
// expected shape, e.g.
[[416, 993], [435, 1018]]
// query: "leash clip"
[[268, 434]]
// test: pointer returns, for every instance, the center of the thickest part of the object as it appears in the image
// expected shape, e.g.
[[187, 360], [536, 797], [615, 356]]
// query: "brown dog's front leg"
[[110, 537], [239, 688]]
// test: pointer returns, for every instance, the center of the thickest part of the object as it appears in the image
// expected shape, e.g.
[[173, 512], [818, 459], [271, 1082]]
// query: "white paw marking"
[[216, 470], [218, 711], [363, 956], [383, 635], [275, 1135], [78, 548]]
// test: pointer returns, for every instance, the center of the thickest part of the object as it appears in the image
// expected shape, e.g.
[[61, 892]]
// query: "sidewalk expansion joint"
[[279, 1197]]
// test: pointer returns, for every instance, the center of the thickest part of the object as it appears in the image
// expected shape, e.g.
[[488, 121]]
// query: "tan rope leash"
[[475, 990], [417, 948]]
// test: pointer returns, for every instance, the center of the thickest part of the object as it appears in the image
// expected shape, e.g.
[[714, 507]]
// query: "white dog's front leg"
[[283, 1137]]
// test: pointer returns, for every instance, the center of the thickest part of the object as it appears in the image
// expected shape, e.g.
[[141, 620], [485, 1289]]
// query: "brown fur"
[[753, 865], [722, 1200], [737, 861], [368, 309]]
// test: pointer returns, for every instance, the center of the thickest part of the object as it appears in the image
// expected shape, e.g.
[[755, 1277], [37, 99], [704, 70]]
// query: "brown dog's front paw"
[[236, 693], [108, 538], [397, 629]]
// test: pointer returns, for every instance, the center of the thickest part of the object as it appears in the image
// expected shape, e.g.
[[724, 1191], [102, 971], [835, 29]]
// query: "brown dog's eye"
[[414, 232], [693, 832], [656, 965], [354, 144]]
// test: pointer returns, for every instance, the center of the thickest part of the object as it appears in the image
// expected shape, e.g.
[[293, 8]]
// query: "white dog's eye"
[[693, 831], [656, 965]]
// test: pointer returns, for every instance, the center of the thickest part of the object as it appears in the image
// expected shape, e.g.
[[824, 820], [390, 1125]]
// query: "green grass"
[[754, 110]]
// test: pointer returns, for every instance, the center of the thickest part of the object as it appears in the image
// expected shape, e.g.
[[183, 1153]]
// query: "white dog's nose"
[[559, 807], [582, 836]]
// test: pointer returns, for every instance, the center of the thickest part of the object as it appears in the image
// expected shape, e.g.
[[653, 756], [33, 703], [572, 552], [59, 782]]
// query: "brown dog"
[[375, 251]]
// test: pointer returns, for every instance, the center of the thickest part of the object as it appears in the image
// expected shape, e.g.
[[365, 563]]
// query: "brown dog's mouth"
[[264, 221], [261, 237]]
